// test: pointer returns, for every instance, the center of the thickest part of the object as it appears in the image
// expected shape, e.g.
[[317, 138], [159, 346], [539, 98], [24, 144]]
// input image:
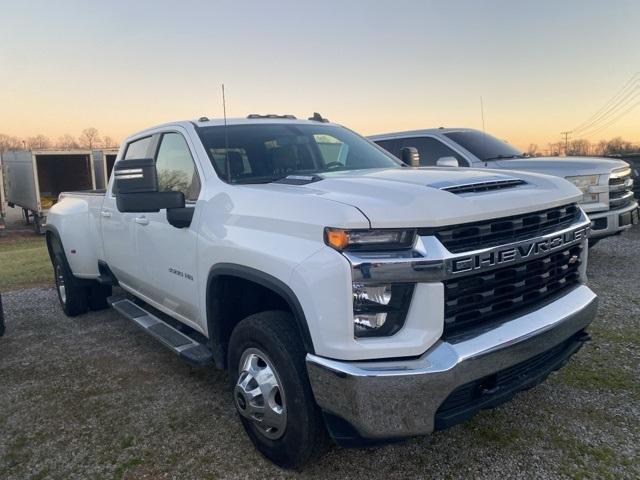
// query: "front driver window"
[[176, 168]]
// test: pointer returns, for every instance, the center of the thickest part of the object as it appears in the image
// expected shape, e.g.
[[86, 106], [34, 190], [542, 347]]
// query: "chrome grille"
[[501, 231], [492, 296], [620, 191]]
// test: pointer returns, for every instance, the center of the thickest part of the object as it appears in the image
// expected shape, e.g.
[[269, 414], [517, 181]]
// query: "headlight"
[[380, 310], [583, 182], [383, 239]]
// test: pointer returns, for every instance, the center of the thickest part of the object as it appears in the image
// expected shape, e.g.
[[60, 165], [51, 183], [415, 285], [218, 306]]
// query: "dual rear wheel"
[[76, 295]]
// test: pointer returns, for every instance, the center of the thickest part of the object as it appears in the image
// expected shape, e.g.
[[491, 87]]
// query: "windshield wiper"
[[262, 179], [503, 157]]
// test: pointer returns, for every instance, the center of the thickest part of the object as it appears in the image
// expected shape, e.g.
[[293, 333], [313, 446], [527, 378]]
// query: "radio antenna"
[[226, 138]]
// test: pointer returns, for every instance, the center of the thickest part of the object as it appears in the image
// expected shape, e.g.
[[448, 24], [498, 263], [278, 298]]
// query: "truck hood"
[[563, 166], [410, 197]]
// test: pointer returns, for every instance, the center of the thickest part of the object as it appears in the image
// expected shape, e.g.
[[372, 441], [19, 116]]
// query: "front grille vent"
[[484, 186], [501, 231], [620, 191], [476, 300]]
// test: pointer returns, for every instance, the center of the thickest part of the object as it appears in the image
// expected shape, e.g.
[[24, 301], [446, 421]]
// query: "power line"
[[630, 96], [602, 127], [611, 103]]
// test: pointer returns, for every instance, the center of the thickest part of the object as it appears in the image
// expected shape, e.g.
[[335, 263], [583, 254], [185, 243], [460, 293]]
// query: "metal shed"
[[103, 161], [35, 178]]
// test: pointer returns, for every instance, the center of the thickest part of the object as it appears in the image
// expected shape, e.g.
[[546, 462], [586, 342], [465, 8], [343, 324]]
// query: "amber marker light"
[[336, 238]]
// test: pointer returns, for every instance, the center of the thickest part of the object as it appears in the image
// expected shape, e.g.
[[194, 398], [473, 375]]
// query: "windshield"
[[484, 146], [266, 152]]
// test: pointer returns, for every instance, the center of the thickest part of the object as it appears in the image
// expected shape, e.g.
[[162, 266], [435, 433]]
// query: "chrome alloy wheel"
[[62, 290], [259, 395]]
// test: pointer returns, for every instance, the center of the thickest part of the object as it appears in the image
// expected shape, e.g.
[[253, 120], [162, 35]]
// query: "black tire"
[[305, 436], [73, 294], [98, 295]]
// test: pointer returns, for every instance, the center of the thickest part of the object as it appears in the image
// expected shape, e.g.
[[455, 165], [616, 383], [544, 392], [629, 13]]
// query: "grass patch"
[[487, 427], [590, 376], [123, 467], [583, 461], [24, 262]]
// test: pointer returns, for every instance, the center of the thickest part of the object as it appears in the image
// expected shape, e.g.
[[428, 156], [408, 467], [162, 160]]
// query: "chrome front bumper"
[[399, 398], [612, 218]]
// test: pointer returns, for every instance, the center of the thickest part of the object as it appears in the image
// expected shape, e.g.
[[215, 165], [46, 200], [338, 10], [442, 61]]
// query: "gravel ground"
[[93, 397]]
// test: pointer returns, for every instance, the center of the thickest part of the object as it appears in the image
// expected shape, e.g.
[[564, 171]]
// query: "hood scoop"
[[299, 179], [490, 184]]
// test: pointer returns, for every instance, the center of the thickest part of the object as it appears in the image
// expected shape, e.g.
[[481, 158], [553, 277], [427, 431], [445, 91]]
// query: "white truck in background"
[[606, 184], [344, 292]]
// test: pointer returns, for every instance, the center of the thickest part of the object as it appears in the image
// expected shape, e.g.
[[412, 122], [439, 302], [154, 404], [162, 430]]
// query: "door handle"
[[105, 213], [141, 220]]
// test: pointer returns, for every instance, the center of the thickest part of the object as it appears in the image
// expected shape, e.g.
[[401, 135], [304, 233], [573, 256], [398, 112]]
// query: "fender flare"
[[51, 231], [261, 278]]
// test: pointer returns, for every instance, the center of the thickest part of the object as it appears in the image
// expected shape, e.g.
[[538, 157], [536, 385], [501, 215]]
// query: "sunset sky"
[[541, 66]]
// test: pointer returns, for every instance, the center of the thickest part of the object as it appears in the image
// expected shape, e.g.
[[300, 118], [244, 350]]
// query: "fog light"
[[380, 310], [363, 294], [370, 320]]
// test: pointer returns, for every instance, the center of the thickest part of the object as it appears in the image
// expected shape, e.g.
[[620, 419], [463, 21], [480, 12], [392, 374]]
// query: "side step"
[[187, 348]]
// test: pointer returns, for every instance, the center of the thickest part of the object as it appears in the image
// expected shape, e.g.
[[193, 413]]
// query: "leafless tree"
[[109, 142], [579, 147], [67, 142], [533, 150], [9, 142], [39, 142], [90, 138]]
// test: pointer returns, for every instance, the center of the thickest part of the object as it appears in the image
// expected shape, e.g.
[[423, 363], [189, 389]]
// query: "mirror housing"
[[447, 162], [135, 176], [136, 188], [410, 156]]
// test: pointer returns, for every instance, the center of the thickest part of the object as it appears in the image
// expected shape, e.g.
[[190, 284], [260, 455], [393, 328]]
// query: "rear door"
[[166, 254], [119, 229]]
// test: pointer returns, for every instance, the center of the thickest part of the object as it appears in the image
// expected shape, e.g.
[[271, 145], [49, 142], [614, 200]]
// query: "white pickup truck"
[[606, 184], [344, 291]]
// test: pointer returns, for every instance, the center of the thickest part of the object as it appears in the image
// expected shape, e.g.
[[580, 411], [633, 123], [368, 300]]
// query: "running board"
[[186, 347]]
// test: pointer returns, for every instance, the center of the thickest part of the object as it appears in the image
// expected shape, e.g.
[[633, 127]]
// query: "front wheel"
[[271, 389], [72, 294]]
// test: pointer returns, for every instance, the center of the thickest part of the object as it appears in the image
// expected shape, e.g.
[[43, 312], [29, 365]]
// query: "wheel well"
[[232, 297]]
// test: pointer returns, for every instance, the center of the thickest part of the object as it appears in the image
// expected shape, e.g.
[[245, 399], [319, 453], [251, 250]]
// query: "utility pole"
[[566, 141]]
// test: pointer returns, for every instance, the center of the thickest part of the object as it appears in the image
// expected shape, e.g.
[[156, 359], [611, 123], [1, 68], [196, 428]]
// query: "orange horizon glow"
[[540, 68]]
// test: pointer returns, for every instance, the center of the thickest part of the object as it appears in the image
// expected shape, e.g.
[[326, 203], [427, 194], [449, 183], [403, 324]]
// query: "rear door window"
[[138, 149]]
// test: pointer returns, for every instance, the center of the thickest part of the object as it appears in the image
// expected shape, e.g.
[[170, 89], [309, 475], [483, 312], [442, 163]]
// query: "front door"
[[166, 254]]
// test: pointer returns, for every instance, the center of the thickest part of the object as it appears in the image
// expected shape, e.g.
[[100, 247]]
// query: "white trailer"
[[35, 178], [103, 161], [2, 200]]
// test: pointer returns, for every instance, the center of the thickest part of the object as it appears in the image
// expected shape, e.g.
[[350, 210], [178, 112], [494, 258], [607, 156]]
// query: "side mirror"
[[447, 162], [136, 188], [410, 156], [135, 176]]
